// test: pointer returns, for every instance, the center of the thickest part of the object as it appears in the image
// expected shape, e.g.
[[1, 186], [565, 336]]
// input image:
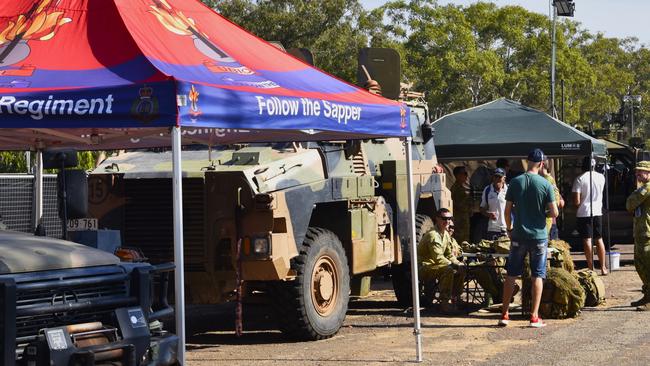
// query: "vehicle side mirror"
[[427, 132], [352, 148]]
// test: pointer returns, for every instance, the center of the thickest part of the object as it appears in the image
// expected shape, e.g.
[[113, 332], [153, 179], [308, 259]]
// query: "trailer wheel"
[[313, 306], [401, 273]]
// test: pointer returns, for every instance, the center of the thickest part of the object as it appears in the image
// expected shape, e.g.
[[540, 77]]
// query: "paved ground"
[[377, 332]]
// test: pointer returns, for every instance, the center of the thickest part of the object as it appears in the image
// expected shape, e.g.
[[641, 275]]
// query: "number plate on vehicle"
[[82, 224]]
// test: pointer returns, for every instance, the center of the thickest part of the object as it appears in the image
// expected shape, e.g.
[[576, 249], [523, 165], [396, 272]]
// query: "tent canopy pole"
[[179, 273], [415, 287], [38, 188]]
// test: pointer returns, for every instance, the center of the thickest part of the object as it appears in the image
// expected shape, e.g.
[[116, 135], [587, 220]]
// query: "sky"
[[614, 18]]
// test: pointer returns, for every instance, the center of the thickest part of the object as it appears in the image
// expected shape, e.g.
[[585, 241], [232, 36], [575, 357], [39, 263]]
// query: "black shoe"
[[639, 302], [644, 307]]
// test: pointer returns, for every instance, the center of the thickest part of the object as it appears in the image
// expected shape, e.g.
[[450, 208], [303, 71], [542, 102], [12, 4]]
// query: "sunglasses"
[[446, 218]]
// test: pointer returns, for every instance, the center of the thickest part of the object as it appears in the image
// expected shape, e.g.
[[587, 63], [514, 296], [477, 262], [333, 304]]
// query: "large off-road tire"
[[401, 273], [313, 306]]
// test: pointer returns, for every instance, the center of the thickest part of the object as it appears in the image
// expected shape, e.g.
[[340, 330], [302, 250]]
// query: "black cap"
[[536, 156]]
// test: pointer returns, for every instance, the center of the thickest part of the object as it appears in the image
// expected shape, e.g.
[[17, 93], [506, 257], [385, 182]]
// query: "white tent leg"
[[179, 274], [415, 287], [38, 188]]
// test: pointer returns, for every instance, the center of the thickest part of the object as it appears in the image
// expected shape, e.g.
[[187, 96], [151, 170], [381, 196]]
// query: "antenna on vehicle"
[[365, 71]]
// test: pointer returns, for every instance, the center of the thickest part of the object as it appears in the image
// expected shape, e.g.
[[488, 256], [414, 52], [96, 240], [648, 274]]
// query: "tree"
[[461, 56], [329, 28], [14, 161]]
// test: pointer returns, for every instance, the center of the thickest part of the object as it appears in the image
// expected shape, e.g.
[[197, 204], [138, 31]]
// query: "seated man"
[[437, 261]]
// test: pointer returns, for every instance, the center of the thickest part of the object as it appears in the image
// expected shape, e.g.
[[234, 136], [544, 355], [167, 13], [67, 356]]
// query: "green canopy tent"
[[506, 129]]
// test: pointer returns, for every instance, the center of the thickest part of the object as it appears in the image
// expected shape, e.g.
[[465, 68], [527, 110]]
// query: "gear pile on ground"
[[563, 296], [593, 286], [560, 255], [565, 290]]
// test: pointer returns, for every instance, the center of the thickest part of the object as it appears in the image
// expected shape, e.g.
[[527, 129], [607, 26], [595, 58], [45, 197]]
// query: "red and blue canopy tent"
[[129, 73]]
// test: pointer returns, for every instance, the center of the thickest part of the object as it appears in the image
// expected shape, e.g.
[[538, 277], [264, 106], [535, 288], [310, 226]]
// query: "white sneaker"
[[504, 321]]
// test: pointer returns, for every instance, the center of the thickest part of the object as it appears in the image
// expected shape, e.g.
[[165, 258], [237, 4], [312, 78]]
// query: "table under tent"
[[126, 74]]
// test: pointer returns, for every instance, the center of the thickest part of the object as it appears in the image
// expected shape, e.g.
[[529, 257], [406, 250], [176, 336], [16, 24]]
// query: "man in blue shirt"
[[532, 198]]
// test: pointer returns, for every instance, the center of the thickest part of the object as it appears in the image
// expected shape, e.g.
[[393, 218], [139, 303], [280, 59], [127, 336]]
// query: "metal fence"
[[17, 203]]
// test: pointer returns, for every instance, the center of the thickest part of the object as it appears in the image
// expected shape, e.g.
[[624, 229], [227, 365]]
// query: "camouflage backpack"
[[562, 297], [593, 285], [499, 246], [560, 255]]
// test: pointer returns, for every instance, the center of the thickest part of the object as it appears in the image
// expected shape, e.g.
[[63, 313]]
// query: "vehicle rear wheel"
[[313, 306], [401, 273]]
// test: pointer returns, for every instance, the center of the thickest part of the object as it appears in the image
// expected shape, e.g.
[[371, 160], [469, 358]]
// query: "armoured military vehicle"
[[68, 304], [296, 221]]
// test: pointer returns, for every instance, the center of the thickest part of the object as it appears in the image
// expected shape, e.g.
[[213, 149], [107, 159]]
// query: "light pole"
[[563, 8], [632, 101]]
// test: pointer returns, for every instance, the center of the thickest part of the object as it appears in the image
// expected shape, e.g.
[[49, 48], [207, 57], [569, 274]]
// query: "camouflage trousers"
[[642, 262], [450, 281], [489, 277], [461, 228]]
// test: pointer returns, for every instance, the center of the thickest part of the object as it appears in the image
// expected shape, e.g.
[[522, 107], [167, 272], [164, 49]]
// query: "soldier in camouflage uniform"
[[462, 204], [639, 204], [437, 261]]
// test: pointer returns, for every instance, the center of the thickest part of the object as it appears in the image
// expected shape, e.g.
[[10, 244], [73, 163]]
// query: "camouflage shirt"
[[639, 205], [462, 210], [435, 250]]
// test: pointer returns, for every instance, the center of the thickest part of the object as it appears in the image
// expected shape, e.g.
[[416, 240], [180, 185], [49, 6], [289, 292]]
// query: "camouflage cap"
[[643, 165]]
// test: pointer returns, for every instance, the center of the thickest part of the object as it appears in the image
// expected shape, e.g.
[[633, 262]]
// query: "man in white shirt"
[[493, 204], [589, 200]]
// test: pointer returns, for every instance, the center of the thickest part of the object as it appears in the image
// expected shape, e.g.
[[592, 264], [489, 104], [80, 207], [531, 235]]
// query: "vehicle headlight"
[[261, 245]]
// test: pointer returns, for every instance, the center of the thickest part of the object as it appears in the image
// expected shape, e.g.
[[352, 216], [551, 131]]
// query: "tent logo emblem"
[[570, 147], [402, 114], [193, 96], [176, 22], [36, 24], [145, 108]]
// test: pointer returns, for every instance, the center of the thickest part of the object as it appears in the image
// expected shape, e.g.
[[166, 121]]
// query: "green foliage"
[[462, 56], [14, 162], [330, 28]]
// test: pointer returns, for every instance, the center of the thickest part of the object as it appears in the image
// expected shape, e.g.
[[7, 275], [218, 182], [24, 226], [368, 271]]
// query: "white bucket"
[[613, 260]]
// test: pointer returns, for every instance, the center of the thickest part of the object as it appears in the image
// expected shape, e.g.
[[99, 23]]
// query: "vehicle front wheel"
[[313, 306]]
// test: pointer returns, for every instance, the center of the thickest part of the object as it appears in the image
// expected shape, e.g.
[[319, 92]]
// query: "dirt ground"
[[378, 332]]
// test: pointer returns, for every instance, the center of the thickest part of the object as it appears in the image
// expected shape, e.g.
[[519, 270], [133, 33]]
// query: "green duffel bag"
[[593, 285]]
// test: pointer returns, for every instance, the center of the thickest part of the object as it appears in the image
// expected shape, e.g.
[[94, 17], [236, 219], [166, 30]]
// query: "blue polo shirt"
[[530, 193]]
